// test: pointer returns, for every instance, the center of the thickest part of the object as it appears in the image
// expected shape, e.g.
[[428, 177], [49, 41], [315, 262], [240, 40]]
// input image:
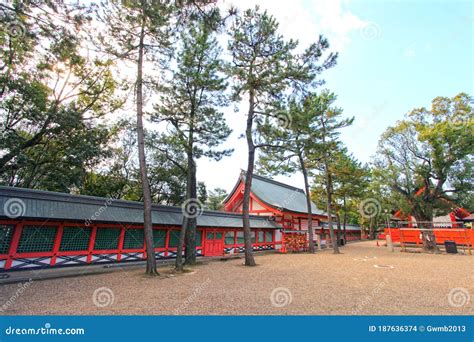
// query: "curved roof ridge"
[[277, 195], [269, 180]]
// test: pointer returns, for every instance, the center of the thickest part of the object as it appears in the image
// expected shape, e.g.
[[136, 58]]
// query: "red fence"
[[35, 244], [413, 235]]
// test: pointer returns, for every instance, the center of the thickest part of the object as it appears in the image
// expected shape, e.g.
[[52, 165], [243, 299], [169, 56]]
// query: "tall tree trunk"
[[249, 259], [187, 208], [339, 231], [371, 229], [329, 205], [179, 252], [308, 204], [190, 252], [147, 222], [344, 218], [328, 189]]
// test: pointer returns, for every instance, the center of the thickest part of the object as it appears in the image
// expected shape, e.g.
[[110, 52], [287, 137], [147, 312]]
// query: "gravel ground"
[[294, 284]]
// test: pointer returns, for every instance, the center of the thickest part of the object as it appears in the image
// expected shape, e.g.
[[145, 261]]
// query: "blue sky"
[[393, 57], [422, 50]]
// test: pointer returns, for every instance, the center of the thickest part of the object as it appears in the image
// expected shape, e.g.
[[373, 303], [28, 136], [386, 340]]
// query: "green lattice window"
[[261, 236], [159, 238], [252, 234], [269, 236], [75, 239], [107, 238], [229, 238], [198, 237], [6, 234], [133, 239], [36, 239], [240, 237], [174, 238]]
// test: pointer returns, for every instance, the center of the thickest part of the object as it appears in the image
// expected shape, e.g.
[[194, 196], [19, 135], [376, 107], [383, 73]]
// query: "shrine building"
[[41, 229]]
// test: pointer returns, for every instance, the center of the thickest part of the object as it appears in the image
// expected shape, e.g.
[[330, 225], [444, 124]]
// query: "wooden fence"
[[413, 236]]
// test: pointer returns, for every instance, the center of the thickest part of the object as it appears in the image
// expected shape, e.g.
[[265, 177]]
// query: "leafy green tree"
[[202, 192], [428, 158], [190, 107], [350, 180], [377, 203], [264, 67], [287, 147], [215, 199], [139, 32], [120, 175], [325, 152], [52, 94], [168, 174]]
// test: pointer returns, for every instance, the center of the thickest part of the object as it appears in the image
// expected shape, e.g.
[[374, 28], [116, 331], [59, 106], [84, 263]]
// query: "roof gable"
[[278, 195]]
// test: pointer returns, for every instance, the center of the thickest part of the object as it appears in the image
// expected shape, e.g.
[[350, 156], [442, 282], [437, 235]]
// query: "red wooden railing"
[[464, 237]]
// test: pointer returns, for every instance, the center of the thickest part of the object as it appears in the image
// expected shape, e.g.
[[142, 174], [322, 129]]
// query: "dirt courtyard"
[[364, 280]]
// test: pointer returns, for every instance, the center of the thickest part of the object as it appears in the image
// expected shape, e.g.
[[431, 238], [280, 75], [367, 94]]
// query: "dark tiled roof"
[[349, 227], [37, 204], [279, 195]]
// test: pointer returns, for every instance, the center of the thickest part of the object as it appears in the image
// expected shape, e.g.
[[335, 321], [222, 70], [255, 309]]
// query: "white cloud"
[[306, 20], [410, 51], [301, 20]]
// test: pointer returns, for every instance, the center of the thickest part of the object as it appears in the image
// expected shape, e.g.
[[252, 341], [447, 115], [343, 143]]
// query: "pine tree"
[[350, 180], [264, 66], [139, 32], [287, 147], [189, 107], [324, 152]]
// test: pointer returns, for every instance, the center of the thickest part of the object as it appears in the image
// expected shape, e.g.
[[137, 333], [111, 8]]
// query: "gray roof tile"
[[279, 195], [36, 204]]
